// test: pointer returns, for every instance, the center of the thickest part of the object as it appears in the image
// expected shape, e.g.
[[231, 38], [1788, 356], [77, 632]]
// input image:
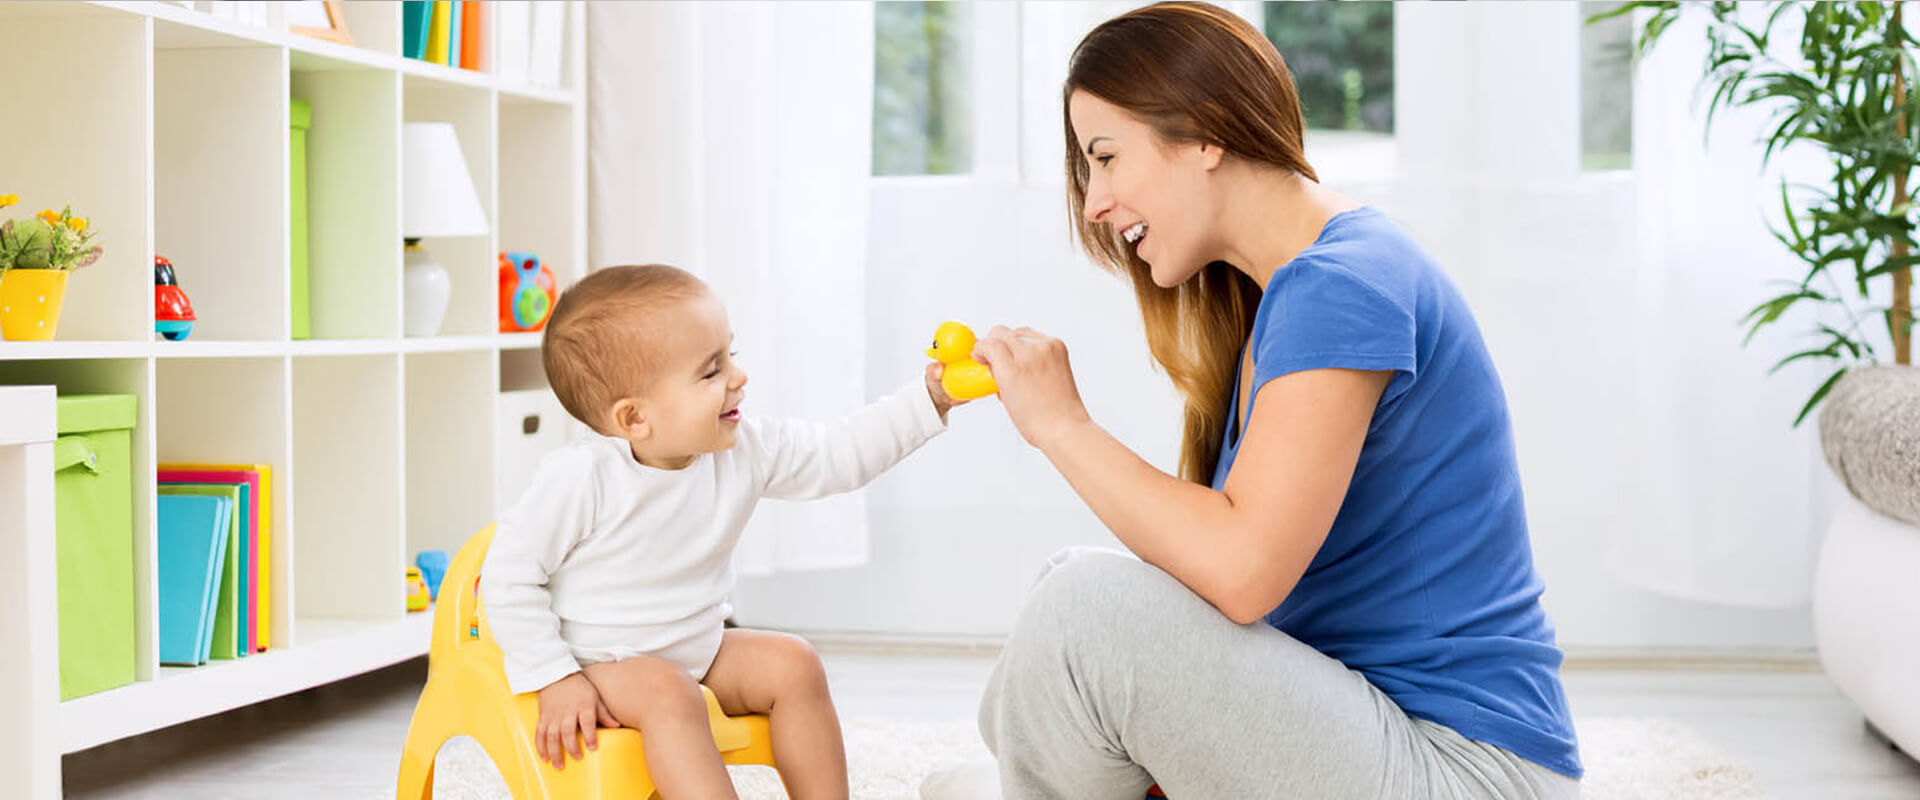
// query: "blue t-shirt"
[[1425, 583]]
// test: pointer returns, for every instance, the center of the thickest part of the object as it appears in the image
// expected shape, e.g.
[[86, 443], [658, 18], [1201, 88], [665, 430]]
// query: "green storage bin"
[[93, 536], [300, 118]]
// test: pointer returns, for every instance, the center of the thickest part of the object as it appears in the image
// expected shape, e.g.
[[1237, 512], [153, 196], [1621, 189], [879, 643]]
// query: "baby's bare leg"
[[759, 672], [658, 698]]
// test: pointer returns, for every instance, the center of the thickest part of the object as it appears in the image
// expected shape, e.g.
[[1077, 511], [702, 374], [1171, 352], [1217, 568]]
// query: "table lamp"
[[437, 200]]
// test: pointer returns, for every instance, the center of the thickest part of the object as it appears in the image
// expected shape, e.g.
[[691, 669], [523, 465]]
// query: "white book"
[[543, 51], [512, 22]]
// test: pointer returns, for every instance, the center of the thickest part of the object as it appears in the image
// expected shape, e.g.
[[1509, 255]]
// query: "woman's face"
[[1154, 195]]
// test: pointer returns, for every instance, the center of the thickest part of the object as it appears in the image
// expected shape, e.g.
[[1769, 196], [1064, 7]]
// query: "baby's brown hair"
[[593, 352]]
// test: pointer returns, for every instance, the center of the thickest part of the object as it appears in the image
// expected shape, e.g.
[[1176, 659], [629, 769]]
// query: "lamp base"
[[428, 288]]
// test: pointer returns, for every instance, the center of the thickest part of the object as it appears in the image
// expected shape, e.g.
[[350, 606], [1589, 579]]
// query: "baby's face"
[[693, 404]]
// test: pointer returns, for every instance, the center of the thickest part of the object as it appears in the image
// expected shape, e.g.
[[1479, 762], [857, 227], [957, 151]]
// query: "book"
[[416, 16], [245, 615], [439, 25], [457, 13], [191, 551], [259, 478], [473, 35]]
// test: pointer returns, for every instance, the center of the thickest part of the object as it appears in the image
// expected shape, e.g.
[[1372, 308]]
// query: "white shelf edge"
[[344, 53], [520, 341], [74, 350], [450, 344], [181, 695], [212, 348], [535, 94], [341, 347]]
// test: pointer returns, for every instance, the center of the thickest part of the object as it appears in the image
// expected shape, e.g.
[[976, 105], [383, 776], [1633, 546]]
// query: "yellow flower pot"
[[30, 303]]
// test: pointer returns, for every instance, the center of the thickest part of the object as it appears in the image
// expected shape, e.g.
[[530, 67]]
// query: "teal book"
[[453, 37], [231, 618], [192, 553], [416, 16]]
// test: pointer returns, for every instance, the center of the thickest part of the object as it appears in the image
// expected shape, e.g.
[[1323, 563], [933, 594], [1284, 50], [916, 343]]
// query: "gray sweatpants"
[[1117, 676]]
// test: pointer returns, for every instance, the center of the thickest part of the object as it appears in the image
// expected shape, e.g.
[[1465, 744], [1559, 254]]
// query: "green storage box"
[[300, 117], [93, 535]]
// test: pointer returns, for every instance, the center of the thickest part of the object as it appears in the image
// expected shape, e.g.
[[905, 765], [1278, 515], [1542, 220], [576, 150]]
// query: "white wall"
[[1487, 178]]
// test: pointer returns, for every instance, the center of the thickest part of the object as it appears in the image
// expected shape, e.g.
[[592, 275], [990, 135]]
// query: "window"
[[1341, 57], [1606, 89], [921, 115]]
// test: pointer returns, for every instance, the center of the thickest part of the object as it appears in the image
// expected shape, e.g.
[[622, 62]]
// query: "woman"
[[1336, 598]]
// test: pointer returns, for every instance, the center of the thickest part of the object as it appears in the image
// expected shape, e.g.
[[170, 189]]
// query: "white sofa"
[[1866, 597]]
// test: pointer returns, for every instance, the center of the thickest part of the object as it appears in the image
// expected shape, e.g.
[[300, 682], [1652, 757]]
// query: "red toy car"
[[172, 314]]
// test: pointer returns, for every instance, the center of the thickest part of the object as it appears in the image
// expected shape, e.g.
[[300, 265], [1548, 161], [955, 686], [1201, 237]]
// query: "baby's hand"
[[941, 402], [570, 710]]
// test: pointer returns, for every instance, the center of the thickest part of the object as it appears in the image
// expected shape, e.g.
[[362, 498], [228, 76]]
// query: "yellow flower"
[[78, 224], [8, 199], [49, 216]]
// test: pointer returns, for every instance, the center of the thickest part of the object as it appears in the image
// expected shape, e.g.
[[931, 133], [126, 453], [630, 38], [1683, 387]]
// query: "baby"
[[607, 583]]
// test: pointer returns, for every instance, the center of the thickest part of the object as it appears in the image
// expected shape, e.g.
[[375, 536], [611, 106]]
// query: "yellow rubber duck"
[[963, 377]]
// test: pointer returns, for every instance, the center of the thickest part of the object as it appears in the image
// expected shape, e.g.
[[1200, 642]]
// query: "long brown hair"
[[1195, 73]]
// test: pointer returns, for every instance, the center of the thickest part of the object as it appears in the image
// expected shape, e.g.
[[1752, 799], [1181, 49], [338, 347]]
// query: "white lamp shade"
[[437, 196]]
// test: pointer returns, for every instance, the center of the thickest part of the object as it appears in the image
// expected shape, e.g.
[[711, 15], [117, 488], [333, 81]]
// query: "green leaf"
[[1818, 395], [1771, 310], [1825, 352]]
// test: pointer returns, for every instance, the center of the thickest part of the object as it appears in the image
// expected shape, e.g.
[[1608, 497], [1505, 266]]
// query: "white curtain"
[[1724, 502], [734, 140]]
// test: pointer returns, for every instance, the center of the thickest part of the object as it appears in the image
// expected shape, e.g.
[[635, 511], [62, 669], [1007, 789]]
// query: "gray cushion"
[[1870, 432]]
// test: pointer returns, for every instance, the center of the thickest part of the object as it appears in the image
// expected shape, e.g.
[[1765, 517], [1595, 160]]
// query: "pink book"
[[252, 480]]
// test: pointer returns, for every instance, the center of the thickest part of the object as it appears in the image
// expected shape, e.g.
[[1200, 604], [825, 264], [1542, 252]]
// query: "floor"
[[342, 741]]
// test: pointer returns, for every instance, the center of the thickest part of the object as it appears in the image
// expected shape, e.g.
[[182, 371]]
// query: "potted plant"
[[35, 256], [1849, 92]]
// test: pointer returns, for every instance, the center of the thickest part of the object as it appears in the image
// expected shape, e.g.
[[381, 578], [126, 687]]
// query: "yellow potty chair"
[[467, 694]]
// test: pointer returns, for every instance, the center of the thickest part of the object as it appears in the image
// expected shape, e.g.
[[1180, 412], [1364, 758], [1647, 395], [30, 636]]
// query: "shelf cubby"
[[469, 260], [220, 194], [449, 461], [346, 421], [353, 197], [536, 190], [117, 376], [85, 143]]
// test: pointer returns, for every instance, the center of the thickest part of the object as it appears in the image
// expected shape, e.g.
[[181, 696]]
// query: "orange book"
[[473, 35]]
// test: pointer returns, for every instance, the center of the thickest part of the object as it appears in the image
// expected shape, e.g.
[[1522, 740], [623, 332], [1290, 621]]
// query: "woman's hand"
[[1035, 380]]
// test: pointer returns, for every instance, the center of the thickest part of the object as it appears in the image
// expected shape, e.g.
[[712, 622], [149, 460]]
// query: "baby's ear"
[[628, 421]]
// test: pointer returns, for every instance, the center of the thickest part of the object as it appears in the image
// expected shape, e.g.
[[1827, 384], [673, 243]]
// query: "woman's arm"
[[1243, 549]]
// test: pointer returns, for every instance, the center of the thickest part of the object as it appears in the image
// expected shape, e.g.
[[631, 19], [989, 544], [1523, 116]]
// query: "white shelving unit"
[[168, 129]]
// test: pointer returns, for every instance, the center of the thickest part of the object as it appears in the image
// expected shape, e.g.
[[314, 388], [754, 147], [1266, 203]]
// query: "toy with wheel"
[[172, 314], [527, 292]]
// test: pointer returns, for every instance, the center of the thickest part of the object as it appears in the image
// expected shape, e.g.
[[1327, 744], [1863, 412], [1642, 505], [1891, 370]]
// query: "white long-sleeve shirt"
[[600, 541]]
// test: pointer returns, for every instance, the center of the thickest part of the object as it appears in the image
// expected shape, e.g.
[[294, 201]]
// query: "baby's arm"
[[531, 540], [803, 460]]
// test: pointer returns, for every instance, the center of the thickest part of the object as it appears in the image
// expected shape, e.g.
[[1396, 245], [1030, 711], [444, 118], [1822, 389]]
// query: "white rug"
[[1626, 759]]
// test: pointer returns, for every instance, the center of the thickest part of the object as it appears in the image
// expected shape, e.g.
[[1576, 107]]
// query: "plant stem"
[[1900, 315]]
